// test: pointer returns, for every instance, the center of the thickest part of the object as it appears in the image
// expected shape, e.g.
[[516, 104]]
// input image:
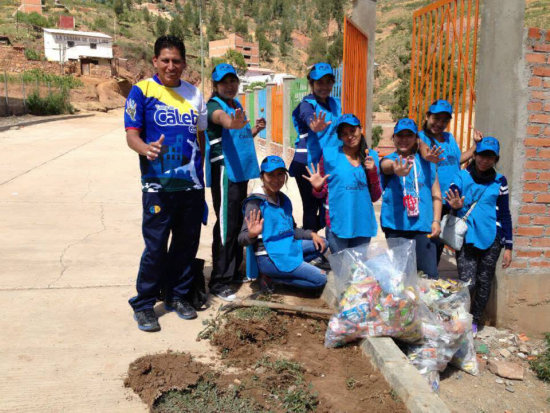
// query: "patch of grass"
[[541, 365], [282, 366], [37, 75], [31, 54], [301, 399], [351, 383], [252, 313], [394, 395], [211, 326], [205, 397]]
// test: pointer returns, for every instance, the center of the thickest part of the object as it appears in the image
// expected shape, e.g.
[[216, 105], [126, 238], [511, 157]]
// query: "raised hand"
[[238, 120], [315, 178], [260, 124], [369, 161], [402, 167], [254, 223], [318, 124], [154, 149], [478, 136], [433, 154], [454, 199]]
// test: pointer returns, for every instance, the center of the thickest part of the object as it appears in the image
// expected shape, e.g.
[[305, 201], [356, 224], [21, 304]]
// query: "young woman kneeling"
[[282, 250]]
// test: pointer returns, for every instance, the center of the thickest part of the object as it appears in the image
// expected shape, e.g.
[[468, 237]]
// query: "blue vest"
[[241, 163], [350, 206], [450, 166], [314, 142], [278, 235], [482, 222], [394, 214]]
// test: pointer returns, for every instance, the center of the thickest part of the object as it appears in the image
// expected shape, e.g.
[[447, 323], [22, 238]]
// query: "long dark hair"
[[363, 147]]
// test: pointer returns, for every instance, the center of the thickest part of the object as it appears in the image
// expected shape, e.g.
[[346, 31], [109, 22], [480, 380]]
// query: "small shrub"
[[377, 132], [31, 54], [53, 104], [541, 365]]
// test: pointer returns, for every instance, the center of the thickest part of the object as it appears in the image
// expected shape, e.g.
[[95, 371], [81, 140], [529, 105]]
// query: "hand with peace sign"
[[254, 223], [315, 178], [402, 167], [319, 124]]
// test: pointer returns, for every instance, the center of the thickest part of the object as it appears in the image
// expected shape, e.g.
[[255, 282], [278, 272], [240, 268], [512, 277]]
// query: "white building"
[[64, 45]]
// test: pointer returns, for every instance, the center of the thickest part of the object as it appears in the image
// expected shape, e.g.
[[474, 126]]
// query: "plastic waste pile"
[[378, 295], [381, 295]]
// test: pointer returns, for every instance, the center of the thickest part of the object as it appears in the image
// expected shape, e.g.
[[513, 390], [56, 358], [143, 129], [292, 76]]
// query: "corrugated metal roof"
[[77, 33]]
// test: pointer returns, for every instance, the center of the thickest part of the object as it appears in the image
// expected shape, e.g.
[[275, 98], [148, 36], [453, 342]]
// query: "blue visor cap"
[[488, 143], [222, 70], [347, 119], [319, 70], [441, 106], [272, 162], [405, 124]]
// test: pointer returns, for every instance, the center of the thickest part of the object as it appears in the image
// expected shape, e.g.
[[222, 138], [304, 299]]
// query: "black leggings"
[[478, 267]]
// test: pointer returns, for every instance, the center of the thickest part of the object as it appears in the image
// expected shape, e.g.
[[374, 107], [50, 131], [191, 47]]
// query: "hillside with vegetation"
[[291, 34]]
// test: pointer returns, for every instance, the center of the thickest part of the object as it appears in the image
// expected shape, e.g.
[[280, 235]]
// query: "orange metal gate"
[[277, 114], [443, 63], [354, 83]]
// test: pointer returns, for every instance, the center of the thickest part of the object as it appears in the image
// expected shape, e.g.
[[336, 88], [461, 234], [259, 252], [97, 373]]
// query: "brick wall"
[[532, 229]]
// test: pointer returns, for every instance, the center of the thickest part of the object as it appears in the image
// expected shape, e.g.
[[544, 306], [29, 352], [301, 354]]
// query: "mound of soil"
[[242, 340], [152, 375], [279, 362]]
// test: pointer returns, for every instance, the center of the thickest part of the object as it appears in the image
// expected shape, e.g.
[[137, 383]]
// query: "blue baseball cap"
[[272, 162], [349, 119], [222, 70], [441, 106], [488, 143], [405, 124], [319, 70]]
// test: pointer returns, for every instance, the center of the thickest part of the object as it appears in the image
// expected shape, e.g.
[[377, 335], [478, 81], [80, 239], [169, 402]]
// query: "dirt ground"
[[490, 393], [270, 357]]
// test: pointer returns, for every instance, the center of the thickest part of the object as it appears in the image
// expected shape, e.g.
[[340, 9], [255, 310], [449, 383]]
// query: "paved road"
[[70, 213]]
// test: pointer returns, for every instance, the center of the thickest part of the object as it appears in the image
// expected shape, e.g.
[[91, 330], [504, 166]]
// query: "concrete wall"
[[512, 91], [364, 16]]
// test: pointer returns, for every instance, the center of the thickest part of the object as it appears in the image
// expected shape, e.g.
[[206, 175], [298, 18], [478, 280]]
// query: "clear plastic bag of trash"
[[376, 286], [446, 329]]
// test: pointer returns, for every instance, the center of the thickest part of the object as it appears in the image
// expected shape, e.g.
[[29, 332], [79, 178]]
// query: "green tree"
[[226, 18], [213, 24], [377, 132], [177, 28], [266, 48], [335, 51], [233, 57], [241, 26], [161, 27], [129, 4], [118, 7], [316, 50], [337, 11], [146, 15]]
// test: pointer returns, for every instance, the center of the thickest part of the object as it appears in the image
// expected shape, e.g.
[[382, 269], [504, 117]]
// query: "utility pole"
[[202, 47]]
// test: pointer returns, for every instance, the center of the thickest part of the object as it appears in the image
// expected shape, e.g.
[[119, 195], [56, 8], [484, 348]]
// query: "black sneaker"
[[266, 284], [182, 308], [147, 320], [226, 294], [321, 263]]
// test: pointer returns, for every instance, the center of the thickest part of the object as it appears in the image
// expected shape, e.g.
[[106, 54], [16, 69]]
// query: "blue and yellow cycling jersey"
[[178, 113]]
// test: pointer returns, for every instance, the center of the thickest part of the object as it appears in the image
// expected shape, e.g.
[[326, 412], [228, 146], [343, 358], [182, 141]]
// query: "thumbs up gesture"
[[154, 149]]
